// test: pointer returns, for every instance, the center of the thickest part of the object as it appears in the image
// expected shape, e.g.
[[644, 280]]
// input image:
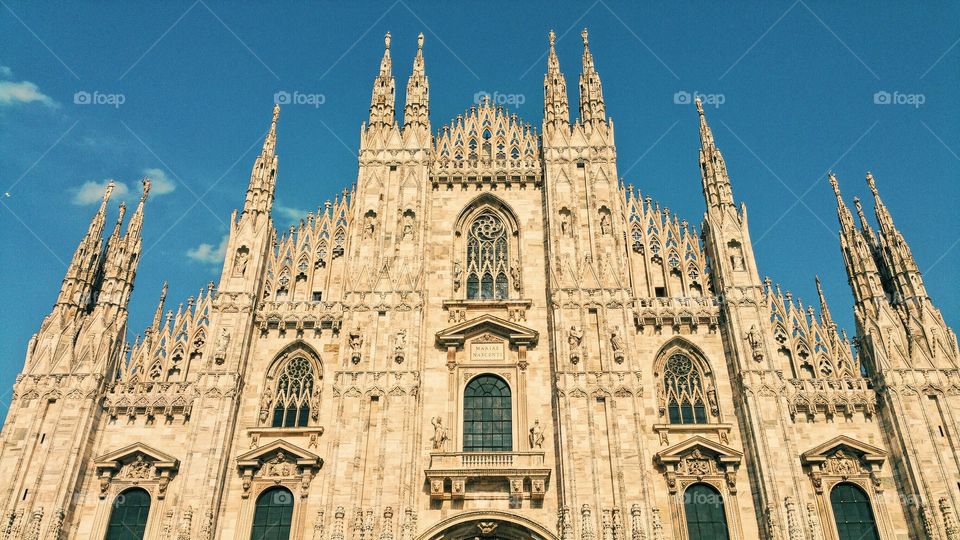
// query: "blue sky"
[[183, 92]]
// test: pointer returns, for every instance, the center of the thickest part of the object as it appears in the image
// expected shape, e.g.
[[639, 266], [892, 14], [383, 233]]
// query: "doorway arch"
[[487, 525]]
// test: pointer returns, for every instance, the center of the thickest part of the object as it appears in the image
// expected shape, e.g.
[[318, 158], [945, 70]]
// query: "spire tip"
[[584, 36], [386, 40], [420, 41]]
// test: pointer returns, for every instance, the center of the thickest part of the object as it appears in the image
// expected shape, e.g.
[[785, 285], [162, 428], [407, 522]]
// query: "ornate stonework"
[[487, 336]]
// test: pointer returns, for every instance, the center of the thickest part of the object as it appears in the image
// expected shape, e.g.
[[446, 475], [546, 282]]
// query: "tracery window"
[[273, 516], [706, 518], [852, 512], [294, 394], [487, 259], [487, 417], [684, 391], [128, 519]]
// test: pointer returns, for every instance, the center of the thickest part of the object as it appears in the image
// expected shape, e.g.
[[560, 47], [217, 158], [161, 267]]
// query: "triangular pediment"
[[820, 453], [723, 454], [256, 457], [513, 332], [116, 458]]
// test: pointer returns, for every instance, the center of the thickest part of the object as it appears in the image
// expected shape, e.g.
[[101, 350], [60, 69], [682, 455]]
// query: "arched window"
[[128, 519], [274, 513], [487, 424], [487, 259], [706, 519], [291, 405], [683, 391], [852, 512]]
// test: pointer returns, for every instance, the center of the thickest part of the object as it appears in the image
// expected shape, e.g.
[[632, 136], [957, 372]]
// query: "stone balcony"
[[449, 472], [686, 311]]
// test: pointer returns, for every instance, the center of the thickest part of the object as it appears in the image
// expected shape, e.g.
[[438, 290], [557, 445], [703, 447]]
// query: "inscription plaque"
[[487, 352]]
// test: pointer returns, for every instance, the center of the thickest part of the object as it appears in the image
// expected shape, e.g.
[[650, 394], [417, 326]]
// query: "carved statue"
[[368, 227], [400, 342], [457, 274], [266, 399], [754, 340], [439, 433], [515, 274], [575, 336], [407, 226], [616, 341], [222, 342], [240, 263], [536, 435], [356, 343], [604, 223]]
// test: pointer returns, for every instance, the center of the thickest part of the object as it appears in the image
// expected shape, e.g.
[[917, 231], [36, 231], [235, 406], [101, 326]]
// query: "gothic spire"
[[263, 177], [864, 223], [78, 282], [384, 90], [858, 258], [824, 308], [416, 111], [158, 314], [556, 108], [895, 254], [843, 213], [592, 106], [713, 169], [135, 227]]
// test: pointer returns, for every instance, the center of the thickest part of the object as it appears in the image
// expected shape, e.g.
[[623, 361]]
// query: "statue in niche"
[[407, 225], [368, 227], [616, 341], [565, 224], [399, 345], [536, 435], [457, 274], [356, 343], [222, 342], [266, 399], [604, 223], [515, 274], [754, 340], [439, 433], [575, 336], [240, 262], [736, 257]]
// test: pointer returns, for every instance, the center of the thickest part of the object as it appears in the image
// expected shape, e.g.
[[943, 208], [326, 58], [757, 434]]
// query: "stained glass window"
[[683, 391], [706, 519], [274, 513], [851, 510], [291, 406], [487, 424], [487, 259], [128, 519]]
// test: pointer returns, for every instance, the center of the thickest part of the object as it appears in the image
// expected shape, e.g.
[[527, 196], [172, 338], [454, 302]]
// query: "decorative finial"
[[276, 112], [419, 41], [386, 40], [584, 36], [699, 106], [108, 191], [834, 184], [552, 37], [870, 182], [146, 187]]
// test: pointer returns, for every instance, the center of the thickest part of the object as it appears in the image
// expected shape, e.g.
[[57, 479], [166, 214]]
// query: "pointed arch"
[[686, 393], [486, 238], [491, 202], [291, 396]]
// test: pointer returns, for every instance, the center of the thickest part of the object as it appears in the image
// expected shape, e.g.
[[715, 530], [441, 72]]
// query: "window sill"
[[271, 433], [721, 431]]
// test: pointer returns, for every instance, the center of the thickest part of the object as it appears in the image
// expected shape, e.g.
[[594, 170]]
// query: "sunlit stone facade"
[[487, 336]]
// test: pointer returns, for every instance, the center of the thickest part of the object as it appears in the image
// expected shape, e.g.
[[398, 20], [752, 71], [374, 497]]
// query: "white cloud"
[[6, 72], [12, 93], [208, 254], [91, 192], [289, 215], [159, 183]]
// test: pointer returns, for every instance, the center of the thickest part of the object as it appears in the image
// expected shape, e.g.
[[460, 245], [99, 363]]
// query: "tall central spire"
[[713, 169], [592, 106], [78, 283], [556, 108], [416, 111], [384, 91], [263, 177]]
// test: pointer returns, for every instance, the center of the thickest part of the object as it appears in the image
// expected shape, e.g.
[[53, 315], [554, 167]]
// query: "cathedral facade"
[[489, 336]]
